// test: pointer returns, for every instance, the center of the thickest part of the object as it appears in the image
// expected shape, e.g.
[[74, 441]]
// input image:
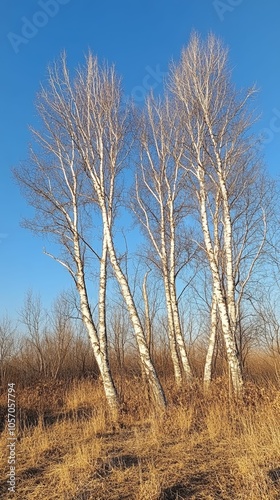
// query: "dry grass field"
[[202, 447]]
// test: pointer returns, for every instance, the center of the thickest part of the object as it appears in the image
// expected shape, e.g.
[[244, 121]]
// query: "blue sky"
[[140, 37]]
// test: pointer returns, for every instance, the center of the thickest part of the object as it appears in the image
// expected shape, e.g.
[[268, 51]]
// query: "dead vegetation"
[[204, 446]]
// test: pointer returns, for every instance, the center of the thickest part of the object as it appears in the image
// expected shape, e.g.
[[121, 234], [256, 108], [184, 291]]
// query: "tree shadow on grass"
[[192, 487], [176, 492], [121, 462], [28, 418]]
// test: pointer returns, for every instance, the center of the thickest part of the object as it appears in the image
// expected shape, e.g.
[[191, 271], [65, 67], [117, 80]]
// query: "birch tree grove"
[[222, 165], [196, 187]]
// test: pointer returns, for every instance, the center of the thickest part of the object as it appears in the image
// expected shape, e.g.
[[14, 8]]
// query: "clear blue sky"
[[140, 37]]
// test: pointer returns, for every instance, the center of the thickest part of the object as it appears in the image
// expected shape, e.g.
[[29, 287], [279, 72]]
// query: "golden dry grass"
[[202, 447]]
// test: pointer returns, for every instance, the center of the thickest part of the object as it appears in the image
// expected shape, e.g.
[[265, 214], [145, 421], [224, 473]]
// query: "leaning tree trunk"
[[174, 303], [171, 333], [148, 322], [208, 367], [149, 369], [178, 333], [102, 328], [99, 346], [176, 343]]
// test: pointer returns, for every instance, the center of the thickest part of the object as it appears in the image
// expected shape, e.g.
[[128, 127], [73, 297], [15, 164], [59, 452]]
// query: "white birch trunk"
[[228, 248], [109, 386], [171, 333], [153, 381], [105, 129], [169, 304], [231, 301], [161, 184], [178, 332], [99, 346], [232, 355], [208, 367], [173, 297], [148, 325], [228, 242]]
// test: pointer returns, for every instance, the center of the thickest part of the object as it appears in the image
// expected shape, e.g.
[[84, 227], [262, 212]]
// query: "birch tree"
[[101, 138], [73, 178], [208, 367], [55, 184], [221, 161], [160, 209]]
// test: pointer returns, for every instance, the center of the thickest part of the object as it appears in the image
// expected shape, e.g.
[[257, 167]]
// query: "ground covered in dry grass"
[[202, 447]]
